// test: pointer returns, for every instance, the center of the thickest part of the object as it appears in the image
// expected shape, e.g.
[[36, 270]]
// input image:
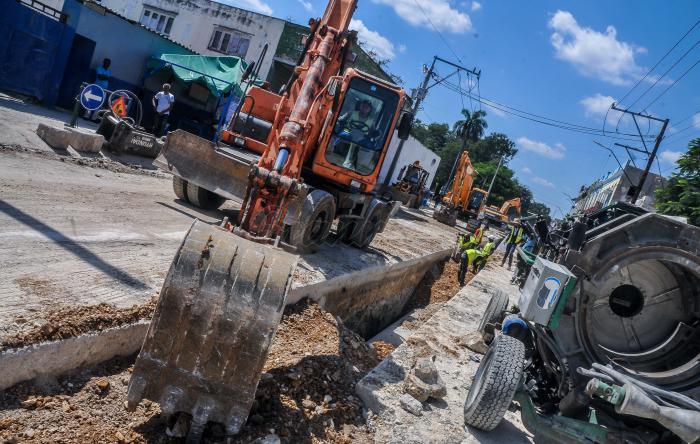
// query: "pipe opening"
[[626, 301]]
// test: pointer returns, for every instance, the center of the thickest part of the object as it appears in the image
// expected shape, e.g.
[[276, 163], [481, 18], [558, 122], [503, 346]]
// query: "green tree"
[[472, 127], [538, 208], [681, 195], [492, 147]]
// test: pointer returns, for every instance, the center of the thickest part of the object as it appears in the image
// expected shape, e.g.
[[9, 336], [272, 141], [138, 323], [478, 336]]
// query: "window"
[[362, 127], [157, 20], [229, 41]]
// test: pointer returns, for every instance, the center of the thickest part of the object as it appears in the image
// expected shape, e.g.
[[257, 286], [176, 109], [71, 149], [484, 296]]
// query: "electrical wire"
[[537, 118], [657, 63], [664, 74], [442, 37], [674, 83]]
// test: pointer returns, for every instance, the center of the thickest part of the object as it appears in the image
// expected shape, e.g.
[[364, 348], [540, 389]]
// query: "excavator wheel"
[[218, 311], [203, 198], [314, 223], [180, 188]]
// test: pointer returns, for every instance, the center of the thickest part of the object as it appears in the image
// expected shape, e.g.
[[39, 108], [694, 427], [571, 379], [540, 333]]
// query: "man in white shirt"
[[163, 103]]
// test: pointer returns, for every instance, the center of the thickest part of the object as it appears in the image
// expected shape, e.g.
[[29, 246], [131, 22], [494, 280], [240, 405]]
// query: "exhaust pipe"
[[631, 400]]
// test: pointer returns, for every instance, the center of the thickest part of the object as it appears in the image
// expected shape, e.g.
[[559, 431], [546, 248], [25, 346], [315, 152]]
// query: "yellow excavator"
[[296, 161], [461, 199], [509, 211]]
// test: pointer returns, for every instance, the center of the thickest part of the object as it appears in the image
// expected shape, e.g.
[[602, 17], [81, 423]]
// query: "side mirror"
[[248, 71], [405, 124]]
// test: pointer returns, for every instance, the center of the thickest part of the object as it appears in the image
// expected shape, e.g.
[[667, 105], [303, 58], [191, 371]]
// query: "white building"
[[412, 150], [207, 27]]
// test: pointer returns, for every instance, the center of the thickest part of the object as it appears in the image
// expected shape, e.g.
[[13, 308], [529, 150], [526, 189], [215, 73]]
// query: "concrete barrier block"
[[85, 141], [57, 138]]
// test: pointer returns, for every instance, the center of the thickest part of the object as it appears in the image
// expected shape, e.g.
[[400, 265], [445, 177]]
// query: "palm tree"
[[470, 129]]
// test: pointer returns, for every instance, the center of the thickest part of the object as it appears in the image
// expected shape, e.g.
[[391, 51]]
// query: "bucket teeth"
[[218, 311]]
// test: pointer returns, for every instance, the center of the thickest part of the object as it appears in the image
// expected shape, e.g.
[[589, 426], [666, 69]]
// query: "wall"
[[195, 21], [128, 45], [412, 150]]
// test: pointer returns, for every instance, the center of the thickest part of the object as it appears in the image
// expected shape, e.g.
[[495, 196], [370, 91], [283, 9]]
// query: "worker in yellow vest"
[[514, 238], [475, 257]]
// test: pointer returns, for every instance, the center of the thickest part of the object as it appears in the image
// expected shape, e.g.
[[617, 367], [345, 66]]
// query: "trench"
[[317, 357]]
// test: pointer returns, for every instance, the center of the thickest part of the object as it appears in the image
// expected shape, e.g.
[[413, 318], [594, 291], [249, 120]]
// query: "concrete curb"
[[57, 138], [57, 357], [85, 141], [347, 296]]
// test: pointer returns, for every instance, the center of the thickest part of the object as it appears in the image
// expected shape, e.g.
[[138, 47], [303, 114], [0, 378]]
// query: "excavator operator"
[[358, 129]]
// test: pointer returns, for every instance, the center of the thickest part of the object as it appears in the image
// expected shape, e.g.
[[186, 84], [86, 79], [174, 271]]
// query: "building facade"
[[411, 151], [615, 187], [207, 27]]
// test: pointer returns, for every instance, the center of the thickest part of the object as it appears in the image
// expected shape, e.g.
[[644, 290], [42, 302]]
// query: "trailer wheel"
[[314, 223], [180, 188], [493, 314], [495, 383], [203, 198]]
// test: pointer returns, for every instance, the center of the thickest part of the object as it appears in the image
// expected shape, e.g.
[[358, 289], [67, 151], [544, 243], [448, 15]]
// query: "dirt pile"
[[307, 393], [434, 289], [70, 321]]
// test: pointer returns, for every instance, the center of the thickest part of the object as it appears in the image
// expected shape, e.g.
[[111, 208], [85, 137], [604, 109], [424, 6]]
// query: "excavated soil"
[[70, 321], [306, 394]]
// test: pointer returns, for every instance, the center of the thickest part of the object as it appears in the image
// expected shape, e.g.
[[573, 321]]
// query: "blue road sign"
[[92, 97]]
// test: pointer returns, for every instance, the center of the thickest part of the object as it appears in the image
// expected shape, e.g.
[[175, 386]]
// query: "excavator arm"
[[224, 294]]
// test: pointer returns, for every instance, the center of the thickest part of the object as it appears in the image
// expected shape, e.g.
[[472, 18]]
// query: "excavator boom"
[[223, 297]]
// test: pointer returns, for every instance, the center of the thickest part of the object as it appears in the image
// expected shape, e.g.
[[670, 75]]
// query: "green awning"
[[218, 73]]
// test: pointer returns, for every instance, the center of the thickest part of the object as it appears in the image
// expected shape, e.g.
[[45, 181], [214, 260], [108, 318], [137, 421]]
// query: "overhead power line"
[[442, 37], [534, 117], [674, 83], [659, 62]]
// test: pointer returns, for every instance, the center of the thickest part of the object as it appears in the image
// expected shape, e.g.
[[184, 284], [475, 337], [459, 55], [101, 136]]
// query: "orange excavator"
[[509, 211], [461, 199], [296, 161]]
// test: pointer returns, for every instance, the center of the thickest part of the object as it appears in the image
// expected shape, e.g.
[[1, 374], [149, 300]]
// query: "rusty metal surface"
[[223, 171], [218, 311]]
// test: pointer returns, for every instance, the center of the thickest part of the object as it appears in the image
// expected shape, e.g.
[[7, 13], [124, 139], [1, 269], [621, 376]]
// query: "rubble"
[[424, 382], [411, 404]]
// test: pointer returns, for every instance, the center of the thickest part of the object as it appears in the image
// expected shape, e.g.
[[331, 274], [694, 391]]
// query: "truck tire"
[[203, 198], [365, 234], [494, 312], [180, 188], [495, 383], [315, 221]]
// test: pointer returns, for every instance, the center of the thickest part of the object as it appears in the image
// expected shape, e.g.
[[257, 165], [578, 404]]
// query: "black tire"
[[495, 310], [369, 228], [314, 223], [180, 188], [203, 198], [495, 383]]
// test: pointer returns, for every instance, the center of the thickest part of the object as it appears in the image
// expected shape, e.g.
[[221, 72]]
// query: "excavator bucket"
[[218, 311]]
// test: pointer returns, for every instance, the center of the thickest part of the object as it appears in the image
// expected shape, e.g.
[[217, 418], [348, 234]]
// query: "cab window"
[[362, 127]]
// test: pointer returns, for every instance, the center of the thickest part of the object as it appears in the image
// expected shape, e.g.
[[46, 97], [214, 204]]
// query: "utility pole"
[[420, 94], [488, 193], [652, 155]]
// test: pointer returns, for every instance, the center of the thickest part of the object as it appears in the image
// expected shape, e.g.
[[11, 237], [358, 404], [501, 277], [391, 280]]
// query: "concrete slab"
[[56, 138], [443, 335], [85, 141]]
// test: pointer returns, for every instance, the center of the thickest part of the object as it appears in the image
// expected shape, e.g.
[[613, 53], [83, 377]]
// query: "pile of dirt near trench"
[[306, 393]]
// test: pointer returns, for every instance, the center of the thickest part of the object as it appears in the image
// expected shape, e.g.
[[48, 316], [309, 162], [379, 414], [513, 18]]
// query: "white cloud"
[[543, 182], [670, 157], [696, 120], [592, 53], [372, 40], [556, 151], [527, 170], [253, 5], [307, 5], [476, 6], [597, 105], [438, 13], [402, 48]]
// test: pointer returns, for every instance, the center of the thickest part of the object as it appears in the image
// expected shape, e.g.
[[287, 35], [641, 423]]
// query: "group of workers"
[[472, 254]]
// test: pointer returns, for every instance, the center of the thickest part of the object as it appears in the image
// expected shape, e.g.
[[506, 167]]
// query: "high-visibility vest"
[[515, 236], [488, 248]]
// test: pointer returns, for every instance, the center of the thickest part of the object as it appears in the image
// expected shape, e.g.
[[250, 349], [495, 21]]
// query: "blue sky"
[[563, 60]]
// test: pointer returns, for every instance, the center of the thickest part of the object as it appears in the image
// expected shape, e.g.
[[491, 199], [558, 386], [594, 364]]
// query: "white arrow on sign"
[[90, 96]]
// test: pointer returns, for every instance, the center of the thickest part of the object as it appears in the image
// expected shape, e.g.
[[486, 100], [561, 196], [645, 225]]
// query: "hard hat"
[[490, 238]]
